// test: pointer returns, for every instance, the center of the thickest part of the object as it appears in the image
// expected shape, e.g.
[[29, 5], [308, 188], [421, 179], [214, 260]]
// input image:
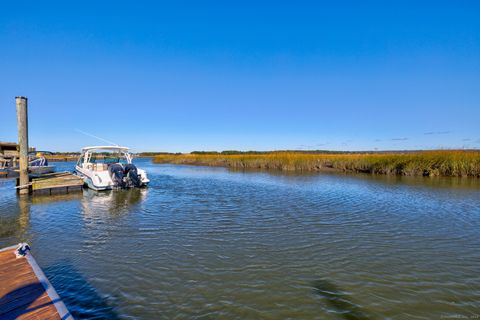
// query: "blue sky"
[[248, 75]]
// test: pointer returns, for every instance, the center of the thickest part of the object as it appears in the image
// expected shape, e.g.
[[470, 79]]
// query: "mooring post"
[[22, 124]]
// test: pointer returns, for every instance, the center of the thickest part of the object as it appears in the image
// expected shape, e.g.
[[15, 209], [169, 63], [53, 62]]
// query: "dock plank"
[[56, 180], [25, 293]]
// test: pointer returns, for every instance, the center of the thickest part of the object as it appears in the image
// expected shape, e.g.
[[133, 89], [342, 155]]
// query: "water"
[[209, 243]]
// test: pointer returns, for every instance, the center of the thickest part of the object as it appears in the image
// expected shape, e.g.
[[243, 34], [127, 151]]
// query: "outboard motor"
[[132, 175], [116, 172]]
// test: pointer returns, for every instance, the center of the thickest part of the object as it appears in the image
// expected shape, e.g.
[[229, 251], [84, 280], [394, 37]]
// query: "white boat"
[[109, 167], [38, 164]]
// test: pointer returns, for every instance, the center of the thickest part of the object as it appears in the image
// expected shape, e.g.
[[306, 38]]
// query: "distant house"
[[8, 149], [9, 154]]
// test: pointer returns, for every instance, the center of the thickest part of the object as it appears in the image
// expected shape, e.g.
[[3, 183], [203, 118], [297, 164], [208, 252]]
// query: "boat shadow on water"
[[341, 302], [80, 297]]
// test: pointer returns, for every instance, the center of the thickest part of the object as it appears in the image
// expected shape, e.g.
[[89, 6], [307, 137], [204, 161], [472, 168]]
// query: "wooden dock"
[[25, 292], [52, 182], [5, 173], [48, 182]]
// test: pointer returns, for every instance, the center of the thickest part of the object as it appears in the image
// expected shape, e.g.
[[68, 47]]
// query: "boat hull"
[[41, 169], [88, 182]]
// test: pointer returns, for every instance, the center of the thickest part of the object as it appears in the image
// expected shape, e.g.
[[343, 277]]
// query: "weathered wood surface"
[[24, 293], [56, 180], [22, 124]]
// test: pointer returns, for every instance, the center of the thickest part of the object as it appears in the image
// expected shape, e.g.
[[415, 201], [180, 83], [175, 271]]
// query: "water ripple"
[[211, 243]]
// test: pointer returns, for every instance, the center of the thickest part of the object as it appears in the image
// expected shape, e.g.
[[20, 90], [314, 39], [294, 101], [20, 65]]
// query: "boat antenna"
[[94, 136]]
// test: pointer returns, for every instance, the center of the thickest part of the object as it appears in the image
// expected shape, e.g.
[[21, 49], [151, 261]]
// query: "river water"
[[209, 243]]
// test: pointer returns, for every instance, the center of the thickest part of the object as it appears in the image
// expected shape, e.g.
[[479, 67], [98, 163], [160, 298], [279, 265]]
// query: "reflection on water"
[[46, 199], [14, 223], [422, 182], [213, 243], [115, 202]]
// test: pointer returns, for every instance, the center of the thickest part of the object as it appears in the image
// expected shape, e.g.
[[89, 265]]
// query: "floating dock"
[[3, 174], [56, 181], [7, 173], [25, 292]]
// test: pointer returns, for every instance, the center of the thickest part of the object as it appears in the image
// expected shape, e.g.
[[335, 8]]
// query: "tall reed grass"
[[456, 163]]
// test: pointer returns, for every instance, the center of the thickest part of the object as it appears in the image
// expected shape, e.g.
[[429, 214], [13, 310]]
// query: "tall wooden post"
[[22, 124]]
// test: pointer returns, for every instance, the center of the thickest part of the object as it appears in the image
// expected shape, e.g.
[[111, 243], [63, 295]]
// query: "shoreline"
[[427, 163]]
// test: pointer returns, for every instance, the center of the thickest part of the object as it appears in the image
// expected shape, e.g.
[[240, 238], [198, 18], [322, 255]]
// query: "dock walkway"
[[25, 292]]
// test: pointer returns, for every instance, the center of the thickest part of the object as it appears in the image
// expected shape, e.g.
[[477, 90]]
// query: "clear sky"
[[247, 75]]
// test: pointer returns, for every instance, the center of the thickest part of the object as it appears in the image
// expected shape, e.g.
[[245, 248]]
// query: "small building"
[[9, 155], [8, 149]]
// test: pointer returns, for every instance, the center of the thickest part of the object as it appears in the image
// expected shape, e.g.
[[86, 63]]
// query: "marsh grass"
[[456, 163], [58, 158]]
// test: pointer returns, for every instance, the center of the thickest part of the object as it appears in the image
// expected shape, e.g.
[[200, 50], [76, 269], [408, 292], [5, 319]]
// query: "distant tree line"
[[152, 154]]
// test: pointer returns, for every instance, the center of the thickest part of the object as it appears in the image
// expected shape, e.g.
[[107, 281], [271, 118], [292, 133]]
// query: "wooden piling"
[[22, 124]]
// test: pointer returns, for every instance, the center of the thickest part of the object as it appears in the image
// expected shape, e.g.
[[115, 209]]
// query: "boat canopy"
[[113, 148]]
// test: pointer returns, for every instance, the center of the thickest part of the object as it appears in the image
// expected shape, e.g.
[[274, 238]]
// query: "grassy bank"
[[456, 163]]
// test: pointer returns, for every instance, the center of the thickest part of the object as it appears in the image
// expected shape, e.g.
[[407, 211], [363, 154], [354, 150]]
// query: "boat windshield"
[[108, 158]]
